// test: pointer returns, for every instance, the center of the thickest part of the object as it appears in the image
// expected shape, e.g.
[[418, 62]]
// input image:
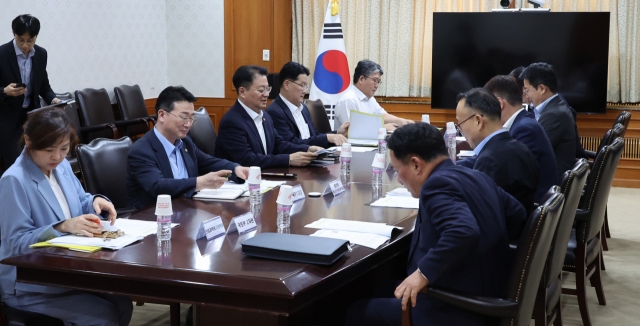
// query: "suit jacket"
[[29, 212], [512, 166], [461, 240], [239, 141], [12, 115], [526, 130], [149, 171], [580, 152], [558, 123], [287, 128]]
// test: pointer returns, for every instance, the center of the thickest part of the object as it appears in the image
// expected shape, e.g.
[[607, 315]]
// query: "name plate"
[[297, 193], [334, 187], [243, 223], [211, 228]]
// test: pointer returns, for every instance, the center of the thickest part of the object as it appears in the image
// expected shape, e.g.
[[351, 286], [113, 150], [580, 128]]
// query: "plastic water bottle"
[[345, 166], [254, 181], [376, 177], [450, 140], [254, 193], [382, 140], [284, 220], [164, 227]]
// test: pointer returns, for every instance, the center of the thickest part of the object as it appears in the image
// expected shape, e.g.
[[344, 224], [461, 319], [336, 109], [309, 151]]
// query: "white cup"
[[285, 195], [425, 118], [254, 175], [163, 205], [346, 150], [379, 161], [382, 133]]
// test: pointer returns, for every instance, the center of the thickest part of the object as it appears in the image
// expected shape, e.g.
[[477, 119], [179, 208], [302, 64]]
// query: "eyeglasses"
[[185, 121], [463, 121], [266, 90], [305, 87], [376, 81], [28, 42]]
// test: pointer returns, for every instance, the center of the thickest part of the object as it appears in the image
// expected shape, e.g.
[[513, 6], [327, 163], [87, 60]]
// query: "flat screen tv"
[[471, 48]]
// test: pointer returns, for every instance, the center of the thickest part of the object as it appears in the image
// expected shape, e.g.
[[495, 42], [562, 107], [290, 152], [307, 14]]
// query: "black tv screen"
[[471, 48]]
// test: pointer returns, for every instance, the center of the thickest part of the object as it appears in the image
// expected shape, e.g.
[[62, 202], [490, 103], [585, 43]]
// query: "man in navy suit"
[[552, 112], [291, 117], [247, 134], [166, 162], [461, 237], [524, 128], [509, 163]]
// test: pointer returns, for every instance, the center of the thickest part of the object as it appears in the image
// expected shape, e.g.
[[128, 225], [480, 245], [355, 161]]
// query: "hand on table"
[[212, 180]]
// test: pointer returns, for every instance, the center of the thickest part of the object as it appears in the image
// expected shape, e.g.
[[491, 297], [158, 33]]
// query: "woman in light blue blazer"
[[42, 199]]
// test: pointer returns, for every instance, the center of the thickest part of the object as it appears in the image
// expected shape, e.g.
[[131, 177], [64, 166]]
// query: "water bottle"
[[254, 181], [345, 166], [450, 140], [164, 227], [284, 220], [382, 140], [254, 193], [376, 177]]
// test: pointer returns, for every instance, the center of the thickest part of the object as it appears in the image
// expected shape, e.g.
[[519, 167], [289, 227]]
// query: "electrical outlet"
[[265, 55]]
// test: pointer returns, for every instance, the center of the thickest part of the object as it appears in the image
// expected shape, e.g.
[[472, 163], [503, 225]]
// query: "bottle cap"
[[163, 205], [285, 195], [382, 133], [254, 175], [379, 161], [346, 150]]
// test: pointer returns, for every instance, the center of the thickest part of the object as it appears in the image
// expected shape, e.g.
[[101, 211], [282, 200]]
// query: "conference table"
[[227, 287]]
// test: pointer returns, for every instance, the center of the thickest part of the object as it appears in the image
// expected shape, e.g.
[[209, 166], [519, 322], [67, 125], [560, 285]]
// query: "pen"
[[272, 174]]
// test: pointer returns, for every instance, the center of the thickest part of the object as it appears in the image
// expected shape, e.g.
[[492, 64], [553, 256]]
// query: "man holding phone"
[[23, 77]]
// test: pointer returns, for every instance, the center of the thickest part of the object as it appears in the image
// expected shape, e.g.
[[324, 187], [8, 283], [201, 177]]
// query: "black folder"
[[295, 247]]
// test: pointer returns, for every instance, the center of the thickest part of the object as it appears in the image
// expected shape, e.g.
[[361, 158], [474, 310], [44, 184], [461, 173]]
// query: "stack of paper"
[[265, 185], [220, 193], [367, 234], [356, 149], [397, 201], [400, 192]]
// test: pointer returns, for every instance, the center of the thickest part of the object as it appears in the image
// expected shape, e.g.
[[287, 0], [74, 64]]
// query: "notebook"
[[295, 247]]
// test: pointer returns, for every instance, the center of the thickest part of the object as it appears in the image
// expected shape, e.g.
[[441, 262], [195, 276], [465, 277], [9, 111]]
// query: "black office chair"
[[319, 116], [515, 307], [132, 106], [274, 82], [203, 133], [547, 308]]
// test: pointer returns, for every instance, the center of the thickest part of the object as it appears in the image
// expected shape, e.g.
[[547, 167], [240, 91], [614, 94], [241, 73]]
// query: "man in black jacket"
[[23, 77]]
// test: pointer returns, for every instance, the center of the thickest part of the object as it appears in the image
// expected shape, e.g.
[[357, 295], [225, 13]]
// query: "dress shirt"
[[507, 125], [24, 63], [538, 109], [354, 99], [178, 168], [257, 119], [478, 148], [297, 116], [57, 191]]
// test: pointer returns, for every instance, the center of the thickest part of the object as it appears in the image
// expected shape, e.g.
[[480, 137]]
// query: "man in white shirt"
[[359, 97], [291, 117]]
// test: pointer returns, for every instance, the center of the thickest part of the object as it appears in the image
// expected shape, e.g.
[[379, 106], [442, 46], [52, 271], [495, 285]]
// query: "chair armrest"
[[108, 126], [494, 307], [582, 215], [590, 154]]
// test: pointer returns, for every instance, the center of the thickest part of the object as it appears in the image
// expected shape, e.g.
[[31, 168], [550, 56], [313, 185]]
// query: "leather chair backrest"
[[72, 113], [203, 133], [274, 82], [611, 134], [623, 118], [319, 116], [596, 193], [95, 106], [131, 102], [530, 257], [103, 163], [571, 186]]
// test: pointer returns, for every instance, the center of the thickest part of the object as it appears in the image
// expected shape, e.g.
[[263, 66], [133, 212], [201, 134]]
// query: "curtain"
[[398, 35]]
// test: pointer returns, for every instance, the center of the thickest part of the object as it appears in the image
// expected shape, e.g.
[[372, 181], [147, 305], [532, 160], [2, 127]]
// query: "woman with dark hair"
[[42, 199]]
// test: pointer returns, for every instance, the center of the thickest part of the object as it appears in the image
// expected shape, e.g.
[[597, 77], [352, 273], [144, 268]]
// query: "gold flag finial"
[[334, 7]]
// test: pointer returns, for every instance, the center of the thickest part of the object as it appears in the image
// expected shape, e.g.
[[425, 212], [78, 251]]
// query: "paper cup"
[[382, 133], [346, 150], [254, 175], [285, 195], [379, 161], [163, 205], [425, 118]]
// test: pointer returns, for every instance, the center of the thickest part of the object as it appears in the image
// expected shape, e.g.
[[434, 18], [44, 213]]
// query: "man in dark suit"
[[505, 160], [461, 237], [21, 62], [291, 117], [525, 129], [552, 112], [247, 134], [166, 162]]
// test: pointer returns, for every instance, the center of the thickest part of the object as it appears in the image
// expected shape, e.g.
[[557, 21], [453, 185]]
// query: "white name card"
[[297, 193], [334, 187], [211, 228], [243, 223]]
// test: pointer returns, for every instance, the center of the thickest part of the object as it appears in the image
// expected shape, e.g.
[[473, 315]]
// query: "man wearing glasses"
[[359, 97], [247, 134], [507, 161], [291, 117], [165, 161], [23, 77]]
